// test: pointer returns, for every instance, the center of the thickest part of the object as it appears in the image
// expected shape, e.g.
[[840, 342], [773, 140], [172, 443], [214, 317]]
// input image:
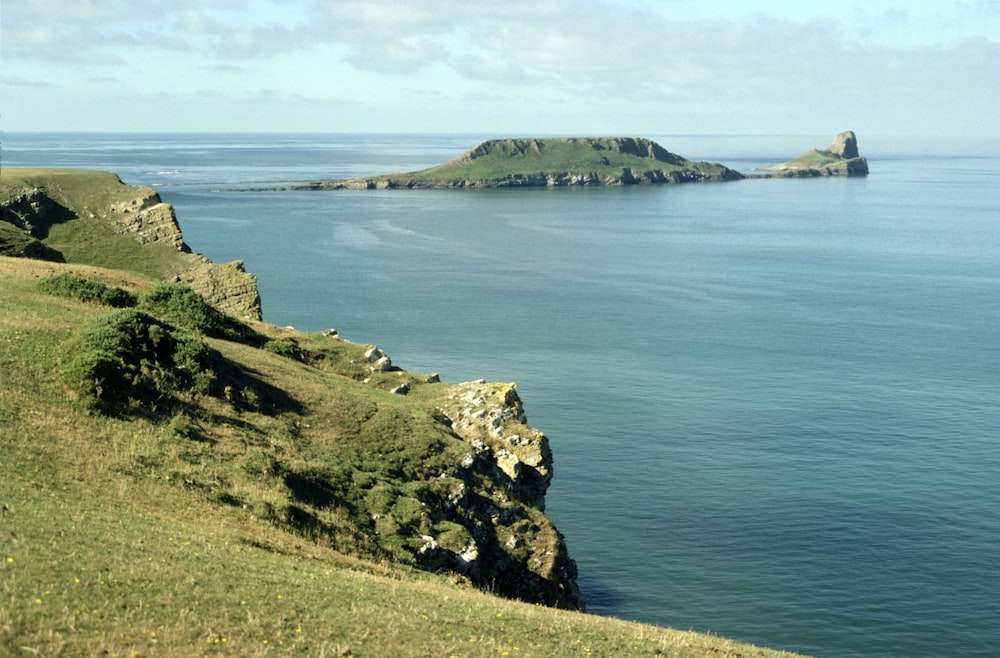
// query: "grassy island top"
[[550, 162]]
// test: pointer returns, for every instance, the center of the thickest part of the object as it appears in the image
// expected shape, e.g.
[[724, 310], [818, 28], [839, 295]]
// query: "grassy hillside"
[[176, 482]]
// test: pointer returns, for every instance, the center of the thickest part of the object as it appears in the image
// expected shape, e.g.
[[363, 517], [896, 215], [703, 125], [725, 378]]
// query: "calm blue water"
[[773, 403]]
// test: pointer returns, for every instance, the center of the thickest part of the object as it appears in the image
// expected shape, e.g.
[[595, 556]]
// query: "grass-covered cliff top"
[[74, 212], [553, 162], [176, 481]]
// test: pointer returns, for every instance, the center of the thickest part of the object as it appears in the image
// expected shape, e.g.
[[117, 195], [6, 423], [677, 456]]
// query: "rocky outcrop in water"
[[841, 158]]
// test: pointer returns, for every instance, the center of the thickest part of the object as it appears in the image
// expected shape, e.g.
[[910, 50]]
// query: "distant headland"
[[593, 161]]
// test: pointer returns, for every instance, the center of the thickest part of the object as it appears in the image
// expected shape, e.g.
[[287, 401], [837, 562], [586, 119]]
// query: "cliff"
[[841, 158], [94, 218], [306, 433], [551, 162]]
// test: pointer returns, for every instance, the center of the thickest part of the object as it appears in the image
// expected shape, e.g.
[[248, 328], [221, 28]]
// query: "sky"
[[516, 67]]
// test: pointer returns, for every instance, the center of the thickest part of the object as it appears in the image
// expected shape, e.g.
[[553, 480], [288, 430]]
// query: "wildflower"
[[10, 560]]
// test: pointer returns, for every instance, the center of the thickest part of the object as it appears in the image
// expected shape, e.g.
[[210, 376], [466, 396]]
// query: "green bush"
[[129, 360], [86, 290], [283, 347], [183, 307]]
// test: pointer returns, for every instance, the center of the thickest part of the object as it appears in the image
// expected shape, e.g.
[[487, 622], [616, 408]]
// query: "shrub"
[[86, 290], [183, 307], [283, 347], [128, 359]]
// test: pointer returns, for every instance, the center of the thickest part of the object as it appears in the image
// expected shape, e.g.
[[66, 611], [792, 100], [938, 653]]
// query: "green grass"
[[815, 158]]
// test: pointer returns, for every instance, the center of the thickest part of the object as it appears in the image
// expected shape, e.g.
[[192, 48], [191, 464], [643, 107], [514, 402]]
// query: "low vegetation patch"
[[129, 361], [182, 306], [83, 289]]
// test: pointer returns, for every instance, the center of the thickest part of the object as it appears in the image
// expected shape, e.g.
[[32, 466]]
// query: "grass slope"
[[817, 162], [525, 157]]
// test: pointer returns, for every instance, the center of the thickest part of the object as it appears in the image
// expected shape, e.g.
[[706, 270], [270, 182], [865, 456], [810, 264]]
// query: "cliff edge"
[[93, 218]]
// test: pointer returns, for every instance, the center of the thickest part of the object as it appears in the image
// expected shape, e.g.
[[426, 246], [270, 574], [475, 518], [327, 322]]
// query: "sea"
[[774, 404]]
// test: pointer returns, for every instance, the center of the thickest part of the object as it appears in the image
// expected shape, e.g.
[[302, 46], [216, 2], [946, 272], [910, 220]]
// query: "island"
[[839, 159], [550, 162], [593, 161]]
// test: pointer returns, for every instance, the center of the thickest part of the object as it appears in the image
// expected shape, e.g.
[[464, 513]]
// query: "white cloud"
[[771, 64]]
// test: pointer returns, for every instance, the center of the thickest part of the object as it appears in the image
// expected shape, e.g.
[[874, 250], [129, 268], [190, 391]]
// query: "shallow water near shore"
[[773, 403]]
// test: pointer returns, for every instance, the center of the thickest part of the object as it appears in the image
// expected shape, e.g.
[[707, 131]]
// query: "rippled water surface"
[[773, 403]]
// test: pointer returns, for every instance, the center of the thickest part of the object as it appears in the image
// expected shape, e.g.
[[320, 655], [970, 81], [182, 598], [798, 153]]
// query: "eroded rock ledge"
[[514, 548]]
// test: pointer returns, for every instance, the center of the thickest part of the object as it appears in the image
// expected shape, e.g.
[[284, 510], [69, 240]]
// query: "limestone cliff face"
[[146, 218], [227, 286], [513, 547]]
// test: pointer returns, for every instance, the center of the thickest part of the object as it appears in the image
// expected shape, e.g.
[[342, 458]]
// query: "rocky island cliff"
[[550, 162]]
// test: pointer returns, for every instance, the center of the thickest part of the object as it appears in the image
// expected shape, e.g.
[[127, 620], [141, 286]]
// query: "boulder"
[[845, 145]]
